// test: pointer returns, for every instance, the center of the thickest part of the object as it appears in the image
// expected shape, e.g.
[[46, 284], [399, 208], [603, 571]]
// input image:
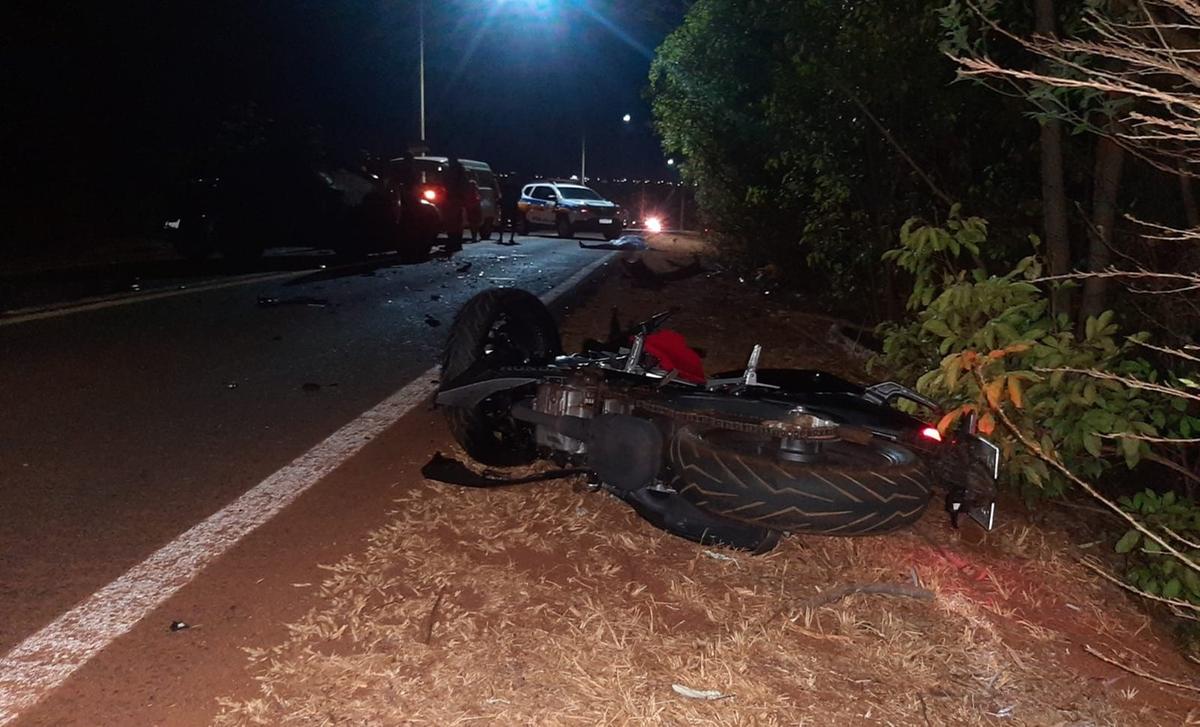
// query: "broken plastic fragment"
[[179, 626], [268, 302], [709, 694]]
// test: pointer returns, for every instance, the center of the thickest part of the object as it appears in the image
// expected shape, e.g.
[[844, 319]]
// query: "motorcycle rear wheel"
[[850, 489], [496, 328]]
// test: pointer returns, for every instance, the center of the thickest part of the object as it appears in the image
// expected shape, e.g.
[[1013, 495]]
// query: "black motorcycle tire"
[[488, 432], [677, 515], [859, 489]]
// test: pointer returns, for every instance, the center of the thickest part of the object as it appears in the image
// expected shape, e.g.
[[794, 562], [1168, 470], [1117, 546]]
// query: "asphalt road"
[[127, 423]]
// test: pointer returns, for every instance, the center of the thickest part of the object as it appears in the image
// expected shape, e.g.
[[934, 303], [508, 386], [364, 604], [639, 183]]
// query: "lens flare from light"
[[654, 224], [429, 194]]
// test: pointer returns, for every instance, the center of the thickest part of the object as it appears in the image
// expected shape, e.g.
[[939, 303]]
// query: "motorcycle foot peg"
[[593, 482]]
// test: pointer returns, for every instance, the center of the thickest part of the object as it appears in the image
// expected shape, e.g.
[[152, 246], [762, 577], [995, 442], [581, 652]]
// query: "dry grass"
[[552, 605]]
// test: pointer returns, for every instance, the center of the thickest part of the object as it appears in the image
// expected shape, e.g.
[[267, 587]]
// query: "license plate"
[[990, 454], [606, 221]]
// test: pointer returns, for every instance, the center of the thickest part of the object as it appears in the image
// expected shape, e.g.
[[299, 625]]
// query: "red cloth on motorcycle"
[[673, 354]]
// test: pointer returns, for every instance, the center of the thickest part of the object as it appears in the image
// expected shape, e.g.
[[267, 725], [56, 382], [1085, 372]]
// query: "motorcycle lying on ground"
[[735, 459]]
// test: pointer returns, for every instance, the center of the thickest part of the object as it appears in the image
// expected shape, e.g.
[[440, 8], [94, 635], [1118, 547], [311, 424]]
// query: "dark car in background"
[[250, 208]]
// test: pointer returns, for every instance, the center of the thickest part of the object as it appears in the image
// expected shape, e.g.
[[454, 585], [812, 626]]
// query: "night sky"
[[98, 90]]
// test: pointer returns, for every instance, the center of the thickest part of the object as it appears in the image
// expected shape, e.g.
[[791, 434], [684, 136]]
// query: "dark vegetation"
[[1006, 188]]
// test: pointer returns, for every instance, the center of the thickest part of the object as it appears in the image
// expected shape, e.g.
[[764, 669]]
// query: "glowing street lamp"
[[583, 151]]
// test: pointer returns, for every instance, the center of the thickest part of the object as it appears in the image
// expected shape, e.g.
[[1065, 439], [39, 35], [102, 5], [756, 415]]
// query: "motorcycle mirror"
[[653, 323]]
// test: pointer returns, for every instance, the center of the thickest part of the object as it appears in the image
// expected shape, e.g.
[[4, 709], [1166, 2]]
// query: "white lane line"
[[25, 315], [43, 661]]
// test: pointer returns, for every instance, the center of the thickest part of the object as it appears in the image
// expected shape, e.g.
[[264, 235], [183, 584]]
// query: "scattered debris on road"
[[463, 268], [306, 300], [431, 321], [179, 626]]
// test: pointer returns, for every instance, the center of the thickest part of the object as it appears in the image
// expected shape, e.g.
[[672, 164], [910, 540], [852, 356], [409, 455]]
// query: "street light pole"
[[421, 67], [583, 158]]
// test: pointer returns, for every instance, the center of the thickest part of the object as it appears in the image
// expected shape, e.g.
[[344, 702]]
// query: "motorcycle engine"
[[577, 397]]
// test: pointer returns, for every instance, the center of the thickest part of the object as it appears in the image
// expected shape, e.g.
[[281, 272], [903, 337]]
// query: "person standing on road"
[[404, 177], [456, 194], [474, 209]]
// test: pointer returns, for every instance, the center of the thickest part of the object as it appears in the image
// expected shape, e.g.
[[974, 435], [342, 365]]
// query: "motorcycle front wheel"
[[497, 328], [846, 489]]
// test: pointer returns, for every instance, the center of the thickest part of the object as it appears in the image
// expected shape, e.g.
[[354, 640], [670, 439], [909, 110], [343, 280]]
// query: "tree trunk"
[[1190, 210], [1054, 195], [1110, 159]]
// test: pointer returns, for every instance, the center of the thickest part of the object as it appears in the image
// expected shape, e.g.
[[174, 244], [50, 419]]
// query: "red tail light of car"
[[932, 434]]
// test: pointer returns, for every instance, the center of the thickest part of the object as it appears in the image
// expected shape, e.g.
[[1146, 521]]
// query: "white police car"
[[567, 207]]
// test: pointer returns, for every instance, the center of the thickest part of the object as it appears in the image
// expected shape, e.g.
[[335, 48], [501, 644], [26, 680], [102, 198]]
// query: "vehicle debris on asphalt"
[[269, 302]]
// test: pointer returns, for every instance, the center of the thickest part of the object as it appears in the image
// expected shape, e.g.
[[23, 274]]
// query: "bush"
[[988, 344], [1150, 568]]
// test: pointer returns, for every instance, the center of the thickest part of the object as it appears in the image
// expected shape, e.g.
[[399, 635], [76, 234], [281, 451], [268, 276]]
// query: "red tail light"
[[430, 194], [932, 434]]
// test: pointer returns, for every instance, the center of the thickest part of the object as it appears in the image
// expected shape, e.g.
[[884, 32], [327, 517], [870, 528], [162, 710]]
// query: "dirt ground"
[[550, 604]]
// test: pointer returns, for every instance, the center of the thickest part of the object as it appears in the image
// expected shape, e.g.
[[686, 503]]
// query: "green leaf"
[[1132, 449], [1092, 444], [1128, 541], [1172, 588], [938, 328], [1191, 580]]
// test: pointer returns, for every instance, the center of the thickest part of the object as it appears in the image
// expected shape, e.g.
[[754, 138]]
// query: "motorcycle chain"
[[776, 429]]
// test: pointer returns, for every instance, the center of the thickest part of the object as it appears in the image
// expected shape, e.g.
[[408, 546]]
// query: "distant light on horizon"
[[627, 118]]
